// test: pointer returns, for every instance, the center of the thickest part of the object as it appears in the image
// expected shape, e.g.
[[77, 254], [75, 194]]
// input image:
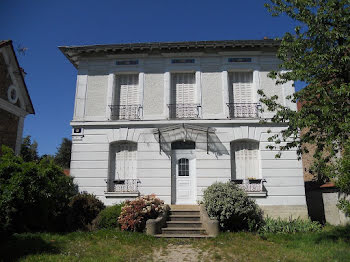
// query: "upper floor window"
[[127, 97], [245, 159], [183, 96], [241, 95]]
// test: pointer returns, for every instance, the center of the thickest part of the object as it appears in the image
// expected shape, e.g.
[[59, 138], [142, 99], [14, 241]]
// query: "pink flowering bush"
[[135, 213]]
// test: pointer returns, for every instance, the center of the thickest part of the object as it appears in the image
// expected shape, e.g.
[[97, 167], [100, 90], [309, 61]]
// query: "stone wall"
[[8, 129]]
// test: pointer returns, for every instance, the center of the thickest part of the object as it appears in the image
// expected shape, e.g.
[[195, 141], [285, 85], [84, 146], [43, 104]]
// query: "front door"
[[183, 177]]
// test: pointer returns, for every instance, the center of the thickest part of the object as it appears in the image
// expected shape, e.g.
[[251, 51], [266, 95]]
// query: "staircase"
[[184, 221]]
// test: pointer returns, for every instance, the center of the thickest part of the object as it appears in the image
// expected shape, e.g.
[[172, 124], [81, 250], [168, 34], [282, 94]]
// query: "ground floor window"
[[245, 159]]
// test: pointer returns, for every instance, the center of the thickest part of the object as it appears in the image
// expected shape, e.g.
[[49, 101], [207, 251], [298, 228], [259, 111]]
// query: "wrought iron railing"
[[243, 110], [250, 185], [123, 185], [125, 112], [183, 111]]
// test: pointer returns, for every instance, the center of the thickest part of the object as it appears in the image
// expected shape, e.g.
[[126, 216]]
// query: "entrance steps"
[[184, 221]]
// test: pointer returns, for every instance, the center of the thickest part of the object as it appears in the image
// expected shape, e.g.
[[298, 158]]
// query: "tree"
[[318, 53], [63, 155], [29, 150], [33, 195]]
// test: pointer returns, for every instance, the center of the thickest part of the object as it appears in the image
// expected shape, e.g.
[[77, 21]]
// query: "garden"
[[44, 218]]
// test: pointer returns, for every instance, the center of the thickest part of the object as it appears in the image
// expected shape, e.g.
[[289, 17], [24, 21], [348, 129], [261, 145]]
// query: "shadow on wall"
[[314, 201], [204, 137]]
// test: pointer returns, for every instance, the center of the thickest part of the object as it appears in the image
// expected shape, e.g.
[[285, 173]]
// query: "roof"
[[73, 52], [9, 42]]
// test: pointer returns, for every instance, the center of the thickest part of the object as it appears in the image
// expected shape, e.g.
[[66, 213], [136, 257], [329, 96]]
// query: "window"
[[127, 97], [184, 167], [183, 96], [122, 174], [241, 96], [244, 159]]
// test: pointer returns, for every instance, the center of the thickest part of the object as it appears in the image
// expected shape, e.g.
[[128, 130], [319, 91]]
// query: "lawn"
[[332, 244]]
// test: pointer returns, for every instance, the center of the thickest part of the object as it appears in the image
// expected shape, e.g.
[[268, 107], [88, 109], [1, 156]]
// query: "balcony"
[[243, 110], [184, 111], [122, 187], [253, 187], [125, 112]]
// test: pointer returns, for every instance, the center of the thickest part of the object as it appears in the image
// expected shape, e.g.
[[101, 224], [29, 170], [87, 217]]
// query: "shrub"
[[33, 196], [108, 217], [232, 207], [84, 208], [135, 213], [280, 226]]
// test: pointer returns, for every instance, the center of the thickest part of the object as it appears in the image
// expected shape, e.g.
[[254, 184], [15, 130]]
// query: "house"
[[15, 102], [173, 118]]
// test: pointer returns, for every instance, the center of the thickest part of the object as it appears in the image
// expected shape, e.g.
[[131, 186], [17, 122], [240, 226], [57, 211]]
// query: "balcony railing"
[[123, 185], [243, 110], [250, 185], [184, 111], [125, 112]]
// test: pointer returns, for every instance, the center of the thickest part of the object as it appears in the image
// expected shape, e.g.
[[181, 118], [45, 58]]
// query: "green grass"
[[332, 244]]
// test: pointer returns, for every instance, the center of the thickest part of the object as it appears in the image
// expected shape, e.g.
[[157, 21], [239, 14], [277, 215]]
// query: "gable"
[[12, 85]]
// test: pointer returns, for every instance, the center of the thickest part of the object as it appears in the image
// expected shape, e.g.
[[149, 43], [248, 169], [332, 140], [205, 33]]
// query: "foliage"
[[318, 53], [29, 150], [83, 209], [332, 244], [33, 196], [281, 226], [135, 213], [232, 207], [63, 155], [108, 218], [340, 172]]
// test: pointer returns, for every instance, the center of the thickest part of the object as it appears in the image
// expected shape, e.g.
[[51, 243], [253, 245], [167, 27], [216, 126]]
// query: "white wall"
[[92, 84], [284, 177]]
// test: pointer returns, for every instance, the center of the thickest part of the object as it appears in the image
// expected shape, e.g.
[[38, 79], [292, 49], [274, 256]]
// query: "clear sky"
[[42, 25]]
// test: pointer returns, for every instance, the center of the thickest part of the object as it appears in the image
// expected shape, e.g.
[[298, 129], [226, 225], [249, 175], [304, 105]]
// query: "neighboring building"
[[173, 118], [15, 102]]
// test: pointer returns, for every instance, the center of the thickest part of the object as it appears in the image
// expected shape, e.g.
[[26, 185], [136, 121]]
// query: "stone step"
[[182, 236], [184, 212], [184, 207], [183, 230], [184, 218], [183, 224]]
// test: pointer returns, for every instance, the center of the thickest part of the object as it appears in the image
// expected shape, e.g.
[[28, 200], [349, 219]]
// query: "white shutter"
[[128, 90], [245, 157], [125, 161], [183, 88], [242, 87]]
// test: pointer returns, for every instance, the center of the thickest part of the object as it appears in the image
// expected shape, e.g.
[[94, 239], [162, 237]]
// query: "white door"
[[184, 182]]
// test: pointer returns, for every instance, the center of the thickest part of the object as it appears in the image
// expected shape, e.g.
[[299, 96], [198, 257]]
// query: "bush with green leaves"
[[33, 196], [232, 207], [108, 218], [83, 209], [282, 226]]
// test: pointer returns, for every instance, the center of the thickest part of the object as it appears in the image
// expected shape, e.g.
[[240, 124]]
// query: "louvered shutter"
[[128, 91], [241, 87], [125, 161], [184, 88], [246, 159]]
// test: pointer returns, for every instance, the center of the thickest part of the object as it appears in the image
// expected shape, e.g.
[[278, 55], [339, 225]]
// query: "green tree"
[[317, 52], [33, 195], [63, 155], [29, 149]]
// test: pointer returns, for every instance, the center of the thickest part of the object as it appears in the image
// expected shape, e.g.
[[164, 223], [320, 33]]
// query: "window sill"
[[257, 194], [121, 194]]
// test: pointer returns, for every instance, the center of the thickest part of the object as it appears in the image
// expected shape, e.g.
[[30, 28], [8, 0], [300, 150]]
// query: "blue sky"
[[41, 26]]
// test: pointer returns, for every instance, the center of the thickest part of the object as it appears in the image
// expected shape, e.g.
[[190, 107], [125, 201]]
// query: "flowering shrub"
[[135, 213]]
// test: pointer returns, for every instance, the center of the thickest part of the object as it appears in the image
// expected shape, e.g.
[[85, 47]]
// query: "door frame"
[[177, 154]]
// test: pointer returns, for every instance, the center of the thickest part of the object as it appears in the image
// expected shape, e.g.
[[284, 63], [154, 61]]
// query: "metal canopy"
[[204, 137]]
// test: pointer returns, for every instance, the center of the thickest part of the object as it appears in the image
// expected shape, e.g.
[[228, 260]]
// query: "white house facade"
[[171, 119]]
